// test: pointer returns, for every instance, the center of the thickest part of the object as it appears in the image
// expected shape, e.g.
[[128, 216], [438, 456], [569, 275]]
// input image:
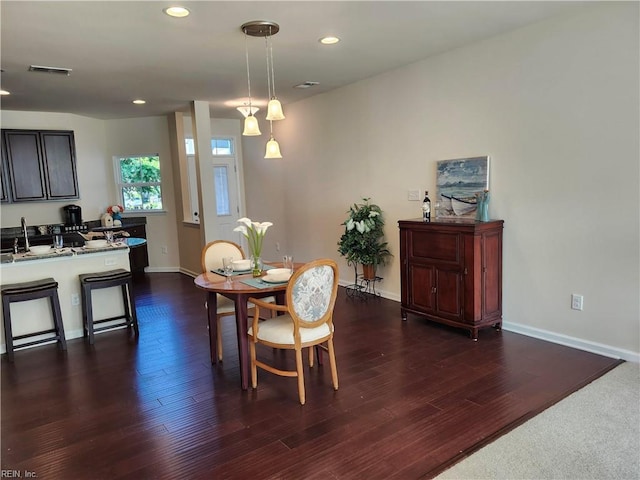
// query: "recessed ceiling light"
[[307, 84], [177, 12], [329, 40], [4, 92], [56, 70], [139, 102]]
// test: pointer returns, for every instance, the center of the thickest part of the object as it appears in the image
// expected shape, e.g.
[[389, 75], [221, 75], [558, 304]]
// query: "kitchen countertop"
[[8, 258]]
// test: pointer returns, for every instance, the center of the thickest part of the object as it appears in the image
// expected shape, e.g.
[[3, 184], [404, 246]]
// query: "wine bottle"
[[426, 207]]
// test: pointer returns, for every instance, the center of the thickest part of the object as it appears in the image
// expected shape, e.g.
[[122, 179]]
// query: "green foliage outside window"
[[140, 183]]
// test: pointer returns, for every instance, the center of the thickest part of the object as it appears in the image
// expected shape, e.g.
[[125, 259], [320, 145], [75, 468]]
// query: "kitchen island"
[[64, 266]]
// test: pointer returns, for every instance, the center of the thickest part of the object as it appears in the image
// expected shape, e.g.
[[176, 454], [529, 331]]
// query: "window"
[[221, 182], [222, 146], [190, 146], [139, 182]]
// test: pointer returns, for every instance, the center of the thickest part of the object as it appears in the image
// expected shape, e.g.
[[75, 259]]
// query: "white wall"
[[148, 135], [556, 107]]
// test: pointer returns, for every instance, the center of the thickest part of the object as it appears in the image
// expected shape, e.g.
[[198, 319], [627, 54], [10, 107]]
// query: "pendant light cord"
[[266, 46], [246, 52], [273, 73]]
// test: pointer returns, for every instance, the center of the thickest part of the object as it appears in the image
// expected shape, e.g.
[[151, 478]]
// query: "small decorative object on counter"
[[115, 211], [106, 220], [426, 207], [254, 232], [482, 209]]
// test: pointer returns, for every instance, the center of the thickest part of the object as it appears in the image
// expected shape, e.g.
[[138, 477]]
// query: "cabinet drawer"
[[138, 231], [441, 247]]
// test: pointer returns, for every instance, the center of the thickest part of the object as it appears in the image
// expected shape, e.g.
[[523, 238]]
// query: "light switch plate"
[[413, 195]]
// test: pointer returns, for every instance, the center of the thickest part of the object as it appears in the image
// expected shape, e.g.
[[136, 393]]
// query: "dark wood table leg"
[[243, 341], [212, 316]]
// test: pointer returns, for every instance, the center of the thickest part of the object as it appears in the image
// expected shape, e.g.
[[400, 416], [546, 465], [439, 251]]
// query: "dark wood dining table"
[[234, 289]]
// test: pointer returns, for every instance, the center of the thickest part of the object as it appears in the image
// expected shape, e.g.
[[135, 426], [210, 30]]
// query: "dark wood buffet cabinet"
[[452, 272]]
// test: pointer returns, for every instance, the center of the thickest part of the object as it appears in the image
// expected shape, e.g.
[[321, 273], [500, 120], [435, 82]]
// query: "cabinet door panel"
[[59, 158], [4, 193], [492, 274], [449, 294], [422, 284], [138, 256], [25, 167]]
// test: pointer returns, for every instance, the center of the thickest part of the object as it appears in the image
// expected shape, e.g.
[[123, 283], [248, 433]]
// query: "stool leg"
[[125, 302], [8, 333], [57, 319], [132, 302], [87, 311]]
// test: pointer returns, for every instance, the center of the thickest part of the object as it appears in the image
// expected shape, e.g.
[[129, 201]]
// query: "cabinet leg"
[[498, 326], [403, 314], [473, 333]]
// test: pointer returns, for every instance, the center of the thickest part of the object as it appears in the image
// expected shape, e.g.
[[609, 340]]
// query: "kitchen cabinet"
[[4, 191], [452, 272], [138, 256], [40, 165]]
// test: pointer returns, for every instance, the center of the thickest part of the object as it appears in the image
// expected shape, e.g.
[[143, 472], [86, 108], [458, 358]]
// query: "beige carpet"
[[592, 434]]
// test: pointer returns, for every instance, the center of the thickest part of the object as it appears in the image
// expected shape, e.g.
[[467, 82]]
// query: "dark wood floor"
[[414, 398]]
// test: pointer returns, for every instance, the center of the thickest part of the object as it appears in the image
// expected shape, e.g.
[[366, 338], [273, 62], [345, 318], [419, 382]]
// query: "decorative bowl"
[[40, 249], [241, 265], [96, 243]]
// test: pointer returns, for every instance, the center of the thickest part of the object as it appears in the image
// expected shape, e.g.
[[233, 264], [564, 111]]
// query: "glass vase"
[[256, 265]]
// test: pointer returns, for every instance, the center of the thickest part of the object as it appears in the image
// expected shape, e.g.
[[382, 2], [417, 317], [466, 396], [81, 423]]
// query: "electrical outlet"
[[413, 195], [277, 246], [75, 299], [165, 250], [109, 262], [576, 301]]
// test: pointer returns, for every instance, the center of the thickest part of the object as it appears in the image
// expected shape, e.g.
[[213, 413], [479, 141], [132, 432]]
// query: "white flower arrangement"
[[254, 232]]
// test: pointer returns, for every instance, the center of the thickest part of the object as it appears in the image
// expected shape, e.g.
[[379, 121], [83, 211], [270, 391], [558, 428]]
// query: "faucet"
[[23, 222]]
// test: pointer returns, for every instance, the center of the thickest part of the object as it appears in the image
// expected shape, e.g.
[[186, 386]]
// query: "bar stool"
[[22, 292], [113, 278]]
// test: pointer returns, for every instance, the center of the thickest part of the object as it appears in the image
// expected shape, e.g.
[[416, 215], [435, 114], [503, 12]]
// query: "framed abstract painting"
[[457, 183]]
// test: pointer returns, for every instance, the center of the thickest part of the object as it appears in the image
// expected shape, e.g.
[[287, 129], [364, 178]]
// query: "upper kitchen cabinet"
[[4, 190], [40, 164]]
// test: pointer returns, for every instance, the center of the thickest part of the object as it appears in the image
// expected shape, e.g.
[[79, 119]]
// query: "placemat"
[[259, 283], [219, 271]]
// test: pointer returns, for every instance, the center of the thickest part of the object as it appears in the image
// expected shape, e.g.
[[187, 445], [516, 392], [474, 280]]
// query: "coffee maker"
[[73, 218]]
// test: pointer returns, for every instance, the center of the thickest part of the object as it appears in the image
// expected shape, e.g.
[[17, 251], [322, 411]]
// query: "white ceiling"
[[123, 50]]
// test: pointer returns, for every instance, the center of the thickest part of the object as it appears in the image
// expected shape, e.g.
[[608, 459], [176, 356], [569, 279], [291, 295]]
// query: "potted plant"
[[362, 240]]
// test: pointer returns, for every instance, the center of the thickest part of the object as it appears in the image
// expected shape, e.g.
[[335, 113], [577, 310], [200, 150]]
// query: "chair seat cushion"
[[280, 330], [224, 304]]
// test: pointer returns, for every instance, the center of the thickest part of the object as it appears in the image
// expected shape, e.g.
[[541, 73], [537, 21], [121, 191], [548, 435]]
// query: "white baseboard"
[[578, 343], [383, 293], [162, 270]]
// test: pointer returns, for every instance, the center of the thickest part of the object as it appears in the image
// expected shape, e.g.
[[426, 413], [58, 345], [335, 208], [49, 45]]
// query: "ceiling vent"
[[307, 84], [56, 70]]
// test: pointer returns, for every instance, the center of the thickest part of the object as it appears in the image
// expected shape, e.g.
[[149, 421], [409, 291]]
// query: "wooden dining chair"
[[305, 321], [211, 259]]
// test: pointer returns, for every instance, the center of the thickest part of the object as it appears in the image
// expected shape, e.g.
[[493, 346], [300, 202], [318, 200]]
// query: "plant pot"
[[369, 272]]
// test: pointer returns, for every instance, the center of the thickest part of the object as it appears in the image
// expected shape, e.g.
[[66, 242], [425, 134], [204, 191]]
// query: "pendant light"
[[251, 127], [274, 108], [273, 148], [266, 29]]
